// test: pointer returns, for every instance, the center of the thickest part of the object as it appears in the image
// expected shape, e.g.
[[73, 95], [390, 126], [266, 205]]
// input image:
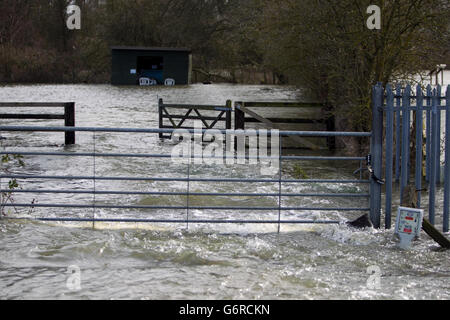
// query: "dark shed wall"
[[176, 65]]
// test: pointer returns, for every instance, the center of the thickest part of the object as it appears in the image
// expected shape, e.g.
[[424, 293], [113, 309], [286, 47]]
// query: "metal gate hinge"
[[372, 174]]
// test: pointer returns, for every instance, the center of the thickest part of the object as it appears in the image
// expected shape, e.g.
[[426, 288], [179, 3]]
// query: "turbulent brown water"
[[207, 261]]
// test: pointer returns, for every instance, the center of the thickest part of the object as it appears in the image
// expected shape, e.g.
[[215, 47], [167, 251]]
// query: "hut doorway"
[[151, 67]]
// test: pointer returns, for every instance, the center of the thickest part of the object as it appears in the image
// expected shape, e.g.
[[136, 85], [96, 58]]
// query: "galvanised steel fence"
[[279, 181]]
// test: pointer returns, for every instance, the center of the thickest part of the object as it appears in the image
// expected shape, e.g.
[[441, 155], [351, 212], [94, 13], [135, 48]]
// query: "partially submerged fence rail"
[[94, 204], [245, 115], [192, 112], [68, 116], [402, 128]]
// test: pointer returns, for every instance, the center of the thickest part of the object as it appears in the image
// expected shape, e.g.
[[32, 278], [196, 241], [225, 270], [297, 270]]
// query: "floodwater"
[[204, 261]]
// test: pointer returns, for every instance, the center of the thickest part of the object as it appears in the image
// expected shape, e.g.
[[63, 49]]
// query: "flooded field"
[[206, 261]]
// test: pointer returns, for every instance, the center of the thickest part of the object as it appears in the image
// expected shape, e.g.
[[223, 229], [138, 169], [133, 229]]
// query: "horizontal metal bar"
[[85, 154], [324, 195], [121, 155], [414, 108], [176, 221], [415, 97], [144, 155], [32, 104], [33, 116], [87, 206], [135, 130], [182, 179]]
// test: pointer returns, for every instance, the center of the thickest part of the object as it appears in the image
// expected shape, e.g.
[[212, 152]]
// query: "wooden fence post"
[[239, 116], [239, 121], [69, 121], [161, 120], [228, 115]]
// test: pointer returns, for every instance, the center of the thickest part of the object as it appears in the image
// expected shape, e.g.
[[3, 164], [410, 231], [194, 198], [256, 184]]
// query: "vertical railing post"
[[419, 143], [405, 140], [377, 154], [434, 146], [438, 162], [188, 191], [398, 133], [428, 136], [280, 178], [447, 164], [69, 121], [389, 154]]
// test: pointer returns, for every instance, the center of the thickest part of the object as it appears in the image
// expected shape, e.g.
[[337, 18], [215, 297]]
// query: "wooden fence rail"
[[221, 114], [245, 115], [68, 116]]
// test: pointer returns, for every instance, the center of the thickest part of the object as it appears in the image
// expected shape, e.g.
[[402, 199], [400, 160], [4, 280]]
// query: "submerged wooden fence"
[[68, 116], [169, 119], [192, 112], [407, 113], [243, 115]]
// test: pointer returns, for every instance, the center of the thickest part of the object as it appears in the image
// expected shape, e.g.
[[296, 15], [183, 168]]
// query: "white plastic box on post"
[[408, 225]]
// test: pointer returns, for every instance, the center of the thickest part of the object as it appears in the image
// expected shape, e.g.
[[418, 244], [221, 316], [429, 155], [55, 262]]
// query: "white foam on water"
[[347, 235]]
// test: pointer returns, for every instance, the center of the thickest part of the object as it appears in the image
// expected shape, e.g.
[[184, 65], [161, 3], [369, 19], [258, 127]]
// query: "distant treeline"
[[324, 46], [37, 46]]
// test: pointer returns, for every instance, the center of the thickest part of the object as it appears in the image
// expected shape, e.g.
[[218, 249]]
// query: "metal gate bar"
[[182, 179], [179, 221], [82, 206], [189, 179], [324, 195]]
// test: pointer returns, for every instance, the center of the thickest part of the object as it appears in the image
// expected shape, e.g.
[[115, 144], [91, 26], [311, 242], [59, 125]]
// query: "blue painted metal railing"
[[188, 179], [398, 103]]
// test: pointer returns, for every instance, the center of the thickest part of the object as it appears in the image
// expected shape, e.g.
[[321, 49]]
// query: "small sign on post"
[[408, 225]]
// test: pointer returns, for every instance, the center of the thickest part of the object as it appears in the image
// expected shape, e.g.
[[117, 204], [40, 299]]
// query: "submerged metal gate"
[[375, 191], [392, 123]]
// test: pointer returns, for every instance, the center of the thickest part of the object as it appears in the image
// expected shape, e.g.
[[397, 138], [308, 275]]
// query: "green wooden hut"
[[129, 64]]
